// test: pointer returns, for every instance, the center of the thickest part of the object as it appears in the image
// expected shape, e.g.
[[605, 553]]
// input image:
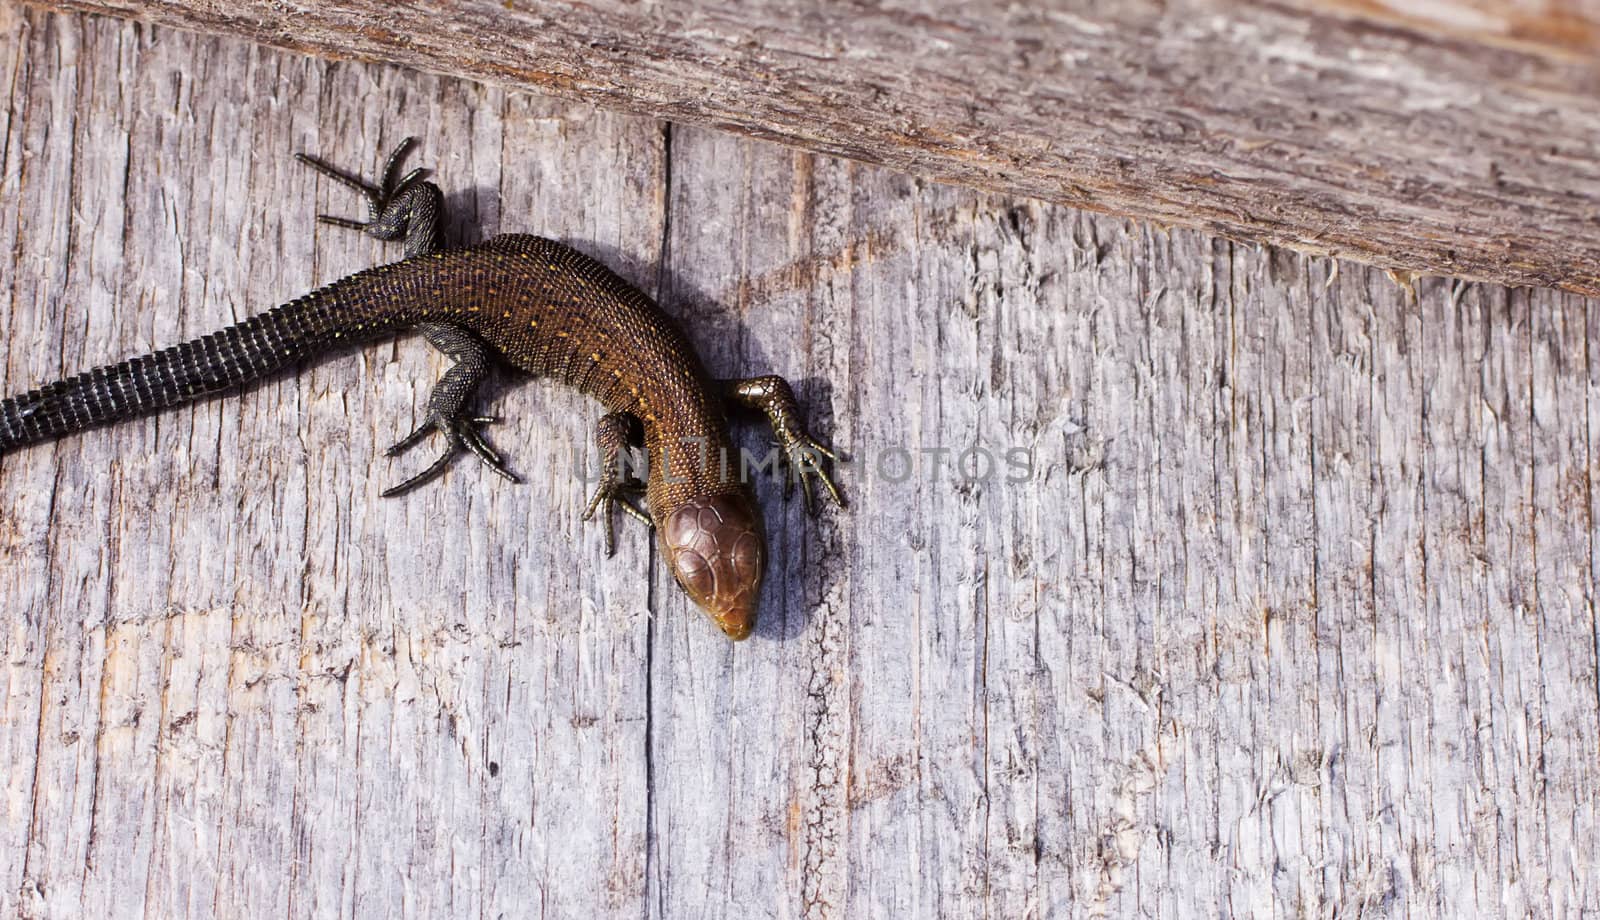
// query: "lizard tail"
[[236, 355]]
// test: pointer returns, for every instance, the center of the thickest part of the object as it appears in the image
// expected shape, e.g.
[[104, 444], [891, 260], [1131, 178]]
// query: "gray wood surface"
[[1453, 137], [1295, 616]]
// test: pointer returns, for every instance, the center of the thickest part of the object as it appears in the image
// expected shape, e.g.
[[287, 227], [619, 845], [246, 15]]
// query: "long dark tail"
[[233, 356]]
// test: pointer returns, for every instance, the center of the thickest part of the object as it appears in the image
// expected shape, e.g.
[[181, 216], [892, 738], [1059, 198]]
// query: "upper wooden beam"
[[1459, 142]]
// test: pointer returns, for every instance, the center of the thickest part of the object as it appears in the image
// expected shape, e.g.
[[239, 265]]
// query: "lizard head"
[[717, 551]]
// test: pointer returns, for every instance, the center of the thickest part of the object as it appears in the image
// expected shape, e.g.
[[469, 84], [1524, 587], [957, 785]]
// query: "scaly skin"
[[538, 305]]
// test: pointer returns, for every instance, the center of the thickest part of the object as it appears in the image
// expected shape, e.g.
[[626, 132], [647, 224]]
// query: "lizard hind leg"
[[412, 209], [447, 411], [407, 208]]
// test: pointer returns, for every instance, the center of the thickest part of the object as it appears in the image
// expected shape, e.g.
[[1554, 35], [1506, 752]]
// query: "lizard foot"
[[447, 411], [614, 495], [616, 483], [406, 208], [802, 455], [461, 433]]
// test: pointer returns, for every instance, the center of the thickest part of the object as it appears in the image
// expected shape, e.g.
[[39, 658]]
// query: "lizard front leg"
[[802, 453], [614, 435], [412, 209]]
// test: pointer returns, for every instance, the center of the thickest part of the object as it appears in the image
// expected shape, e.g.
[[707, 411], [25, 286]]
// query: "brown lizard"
[[539, 305]]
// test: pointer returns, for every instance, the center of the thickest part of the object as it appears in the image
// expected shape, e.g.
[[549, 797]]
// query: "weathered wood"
[[1551, 28], [1294, 616], [1459, 140]]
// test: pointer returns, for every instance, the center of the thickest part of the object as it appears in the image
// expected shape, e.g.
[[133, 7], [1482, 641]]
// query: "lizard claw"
[[460, 434], [344, 222], [378, 195], [803, 456], [614, 495]]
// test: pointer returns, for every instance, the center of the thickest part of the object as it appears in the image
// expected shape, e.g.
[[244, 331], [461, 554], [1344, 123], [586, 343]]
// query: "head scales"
[[717, 551]]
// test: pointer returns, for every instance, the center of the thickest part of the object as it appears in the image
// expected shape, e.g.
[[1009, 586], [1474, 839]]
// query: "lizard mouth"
[[736, 622]]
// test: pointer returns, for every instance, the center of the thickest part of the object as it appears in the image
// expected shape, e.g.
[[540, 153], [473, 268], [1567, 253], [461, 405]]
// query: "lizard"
[[544, 308]]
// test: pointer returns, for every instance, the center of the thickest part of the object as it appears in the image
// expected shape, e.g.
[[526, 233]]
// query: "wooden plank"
[[1291, 616], [1553, 28], [1453, 347], [245, 775], [1458, 140]]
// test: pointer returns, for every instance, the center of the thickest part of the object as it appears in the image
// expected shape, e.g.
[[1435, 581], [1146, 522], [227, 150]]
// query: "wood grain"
[[1457, 140], [1294, 615]]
